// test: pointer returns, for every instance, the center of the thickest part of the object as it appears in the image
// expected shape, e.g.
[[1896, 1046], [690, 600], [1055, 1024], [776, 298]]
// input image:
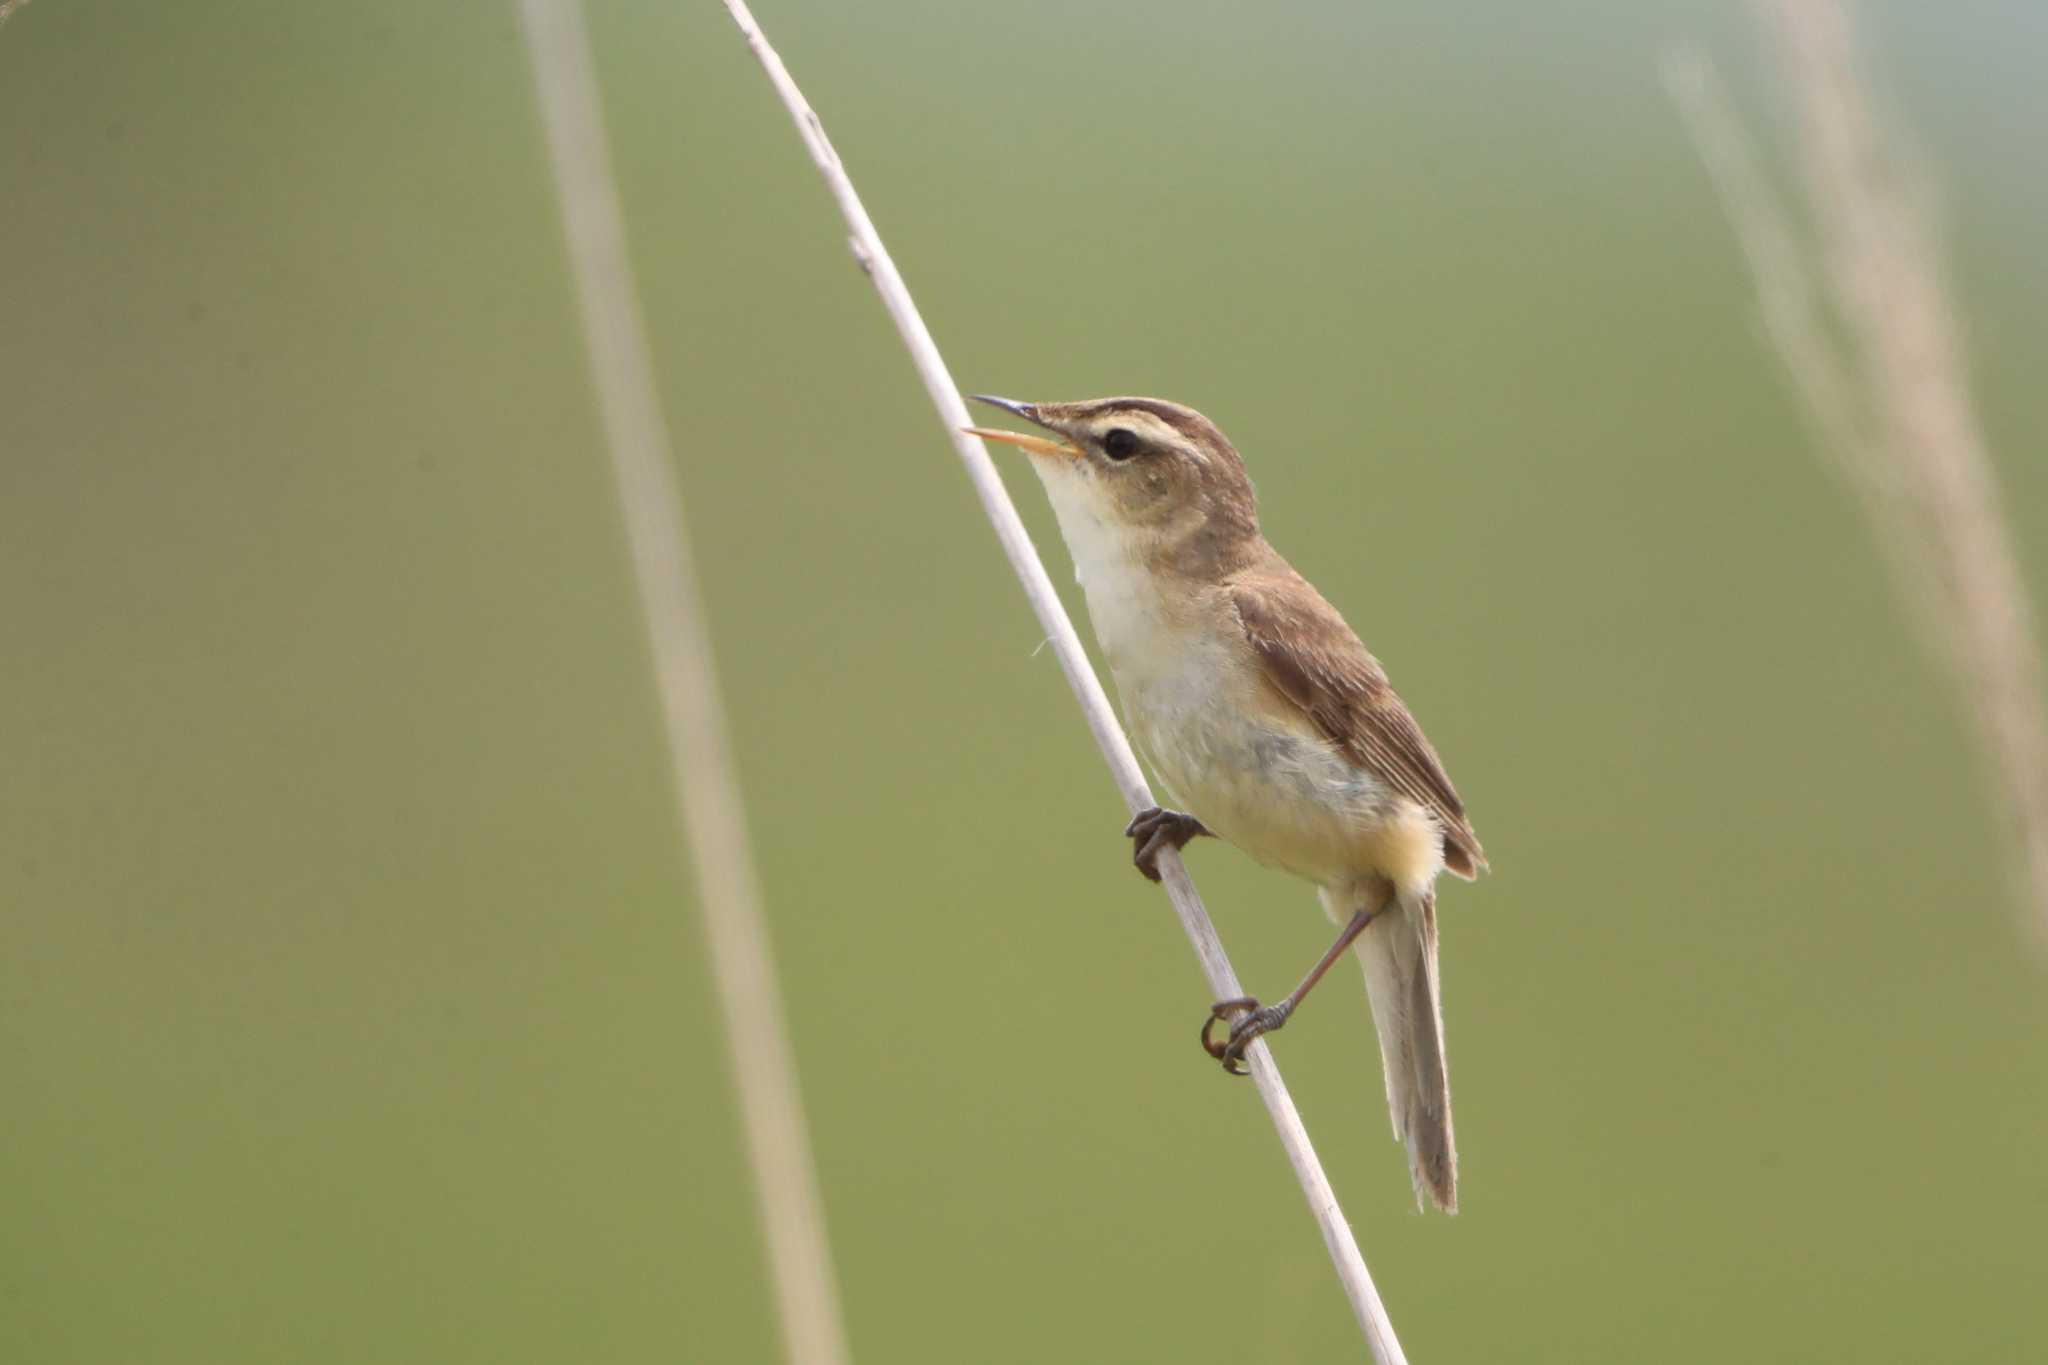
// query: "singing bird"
[[1266, 721]]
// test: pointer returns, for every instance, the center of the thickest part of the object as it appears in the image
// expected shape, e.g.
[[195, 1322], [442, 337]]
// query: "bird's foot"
[[1248, 1019], [1153, 831]]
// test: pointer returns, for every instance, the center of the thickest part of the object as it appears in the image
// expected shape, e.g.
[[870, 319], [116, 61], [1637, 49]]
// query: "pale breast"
[[1256, 775], [1225, 748]]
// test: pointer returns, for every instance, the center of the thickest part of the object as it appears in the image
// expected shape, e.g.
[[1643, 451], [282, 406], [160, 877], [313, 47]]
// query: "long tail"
[[1398, 952]]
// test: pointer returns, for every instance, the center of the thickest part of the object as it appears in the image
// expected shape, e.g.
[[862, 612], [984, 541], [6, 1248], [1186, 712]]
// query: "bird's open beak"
[[1038, 445]]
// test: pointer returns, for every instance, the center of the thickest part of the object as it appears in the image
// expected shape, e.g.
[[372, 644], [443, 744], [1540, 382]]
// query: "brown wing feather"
[[1314, 660]]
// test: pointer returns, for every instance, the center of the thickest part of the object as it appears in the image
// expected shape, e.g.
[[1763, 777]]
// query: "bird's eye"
[[1120, 443]]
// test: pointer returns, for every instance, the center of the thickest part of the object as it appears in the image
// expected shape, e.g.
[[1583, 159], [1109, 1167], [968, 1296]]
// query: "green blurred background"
[[354, 1003]]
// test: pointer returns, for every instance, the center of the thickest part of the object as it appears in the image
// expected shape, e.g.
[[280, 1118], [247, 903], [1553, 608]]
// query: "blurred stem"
[[873, 257], [706, 787], [1876, 361]]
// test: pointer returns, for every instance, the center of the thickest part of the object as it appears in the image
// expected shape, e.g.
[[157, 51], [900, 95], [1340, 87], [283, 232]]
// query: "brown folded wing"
[[1314, 660]]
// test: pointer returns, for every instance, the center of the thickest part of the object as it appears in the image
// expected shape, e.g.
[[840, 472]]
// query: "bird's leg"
[[1153, 831], [1253, 1020]]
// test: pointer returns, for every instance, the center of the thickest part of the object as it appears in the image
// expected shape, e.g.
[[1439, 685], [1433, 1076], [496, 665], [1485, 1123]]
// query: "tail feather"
[[1399, 954]]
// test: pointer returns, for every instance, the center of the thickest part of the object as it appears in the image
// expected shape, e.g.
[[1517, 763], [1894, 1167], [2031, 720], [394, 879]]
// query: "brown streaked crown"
[[1185, 420]]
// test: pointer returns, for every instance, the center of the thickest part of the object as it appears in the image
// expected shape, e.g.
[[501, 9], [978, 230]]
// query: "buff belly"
[[1227, 748], [1261, 778]]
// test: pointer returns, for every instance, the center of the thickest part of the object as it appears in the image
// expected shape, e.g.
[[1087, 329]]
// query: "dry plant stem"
[[1109, 736], [1890, 403], [706, 789]]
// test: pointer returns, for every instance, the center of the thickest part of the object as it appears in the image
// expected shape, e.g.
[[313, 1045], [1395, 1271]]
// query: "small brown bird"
[[1266, 720]]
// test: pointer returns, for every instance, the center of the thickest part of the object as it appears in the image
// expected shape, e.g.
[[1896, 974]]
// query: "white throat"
[[1132, 620]]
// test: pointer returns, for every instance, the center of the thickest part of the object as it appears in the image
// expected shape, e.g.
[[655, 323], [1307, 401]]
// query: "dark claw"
[[1252, 1020], [1223, 1009], [1154, 831]]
